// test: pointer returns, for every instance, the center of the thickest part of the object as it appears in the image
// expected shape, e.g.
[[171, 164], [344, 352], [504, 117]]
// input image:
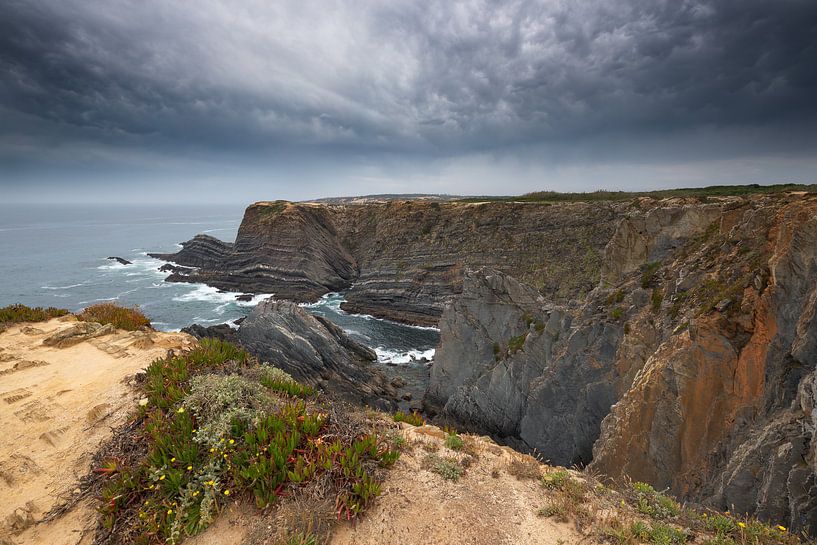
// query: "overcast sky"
[[208, 100]]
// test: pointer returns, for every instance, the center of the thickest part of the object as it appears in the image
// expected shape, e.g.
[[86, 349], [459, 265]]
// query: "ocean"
[[57, 256]]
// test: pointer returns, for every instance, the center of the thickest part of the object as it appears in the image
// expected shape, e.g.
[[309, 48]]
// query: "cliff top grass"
[[15, 314], [604, 195], [129, 319]]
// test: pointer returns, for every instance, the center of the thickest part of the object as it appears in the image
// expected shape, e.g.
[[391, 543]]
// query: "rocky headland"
[[402, 260], [671, 341]]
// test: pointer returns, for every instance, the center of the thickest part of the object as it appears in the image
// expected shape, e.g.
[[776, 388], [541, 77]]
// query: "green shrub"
[[413, 418], [648, 273], [14, 314], [663, 534], [453, 441], [656, 299], [129, 319], [556, 479], [616, 313], [655, 504], [515, 344]]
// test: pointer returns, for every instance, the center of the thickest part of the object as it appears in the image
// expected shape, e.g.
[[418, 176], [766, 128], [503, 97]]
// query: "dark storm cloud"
[[406, 79]]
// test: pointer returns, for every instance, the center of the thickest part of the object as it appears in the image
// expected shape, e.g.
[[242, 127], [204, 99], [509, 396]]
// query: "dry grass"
[[525, 468], [129, 319]]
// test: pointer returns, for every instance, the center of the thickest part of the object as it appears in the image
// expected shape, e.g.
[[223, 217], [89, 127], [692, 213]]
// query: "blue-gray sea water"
[[57, 256]]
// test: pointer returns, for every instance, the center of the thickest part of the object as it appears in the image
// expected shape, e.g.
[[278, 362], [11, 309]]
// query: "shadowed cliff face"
[[691, 367], [402, 260]]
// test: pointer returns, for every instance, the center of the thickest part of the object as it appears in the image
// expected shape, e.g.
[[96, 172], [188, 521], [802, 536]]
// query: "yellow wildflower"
[[189, 468], [181, 409], [173, 459], [742, 525], [170, 511], [232, 441], [226, 492], [781, 528], [212, 450], [162, 478]]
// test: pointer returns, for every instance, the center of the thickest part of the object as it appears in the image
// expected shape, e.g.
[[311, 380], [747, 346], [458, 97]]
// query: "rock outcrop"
[[722, 411], [401, 260], [691, 366], [81, 331], [315, 351]]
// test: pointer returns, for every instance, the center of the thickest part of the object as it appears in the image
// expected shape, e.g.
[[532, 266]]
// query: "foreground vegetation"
[[15, 314], [602, 195], [129, 319], [215, 425], [638, 514]]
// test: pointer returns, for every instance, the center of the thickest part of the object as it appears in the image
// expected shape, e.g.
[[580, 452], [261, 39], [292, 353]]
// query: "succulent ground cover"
[[215, 425]]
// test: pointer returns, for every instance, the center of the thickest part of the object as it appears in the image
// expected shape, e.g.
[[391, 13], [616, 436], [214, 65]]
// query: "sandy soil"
[[57, 405], [487, 505]]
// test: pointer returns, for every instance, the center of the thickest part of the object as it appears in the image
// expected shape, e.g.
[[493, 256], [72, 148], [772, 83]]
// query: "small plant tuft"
[[413, 418], [454, 441], [447, 467]]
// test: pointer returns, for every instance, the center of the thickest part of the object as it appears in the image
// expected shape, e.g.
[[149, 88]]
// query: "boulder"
[[77, 333]]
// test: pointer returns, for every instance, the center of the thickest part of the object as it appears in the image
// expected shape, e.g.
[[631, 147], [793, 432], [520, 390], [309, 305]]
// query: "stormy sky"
[[210, 101]]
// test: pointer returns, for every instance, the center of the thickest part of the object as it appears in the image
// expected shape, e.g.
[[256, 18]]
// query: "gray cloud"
[[158, 86]]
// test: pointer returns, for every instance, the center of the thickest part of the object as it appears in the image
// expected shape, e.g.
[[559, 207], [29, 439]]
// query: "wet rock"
[[120, 260], [244, 297]]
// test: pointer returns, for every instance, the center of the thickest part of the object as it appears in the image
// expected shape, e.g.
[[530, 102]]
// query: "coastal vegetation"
[[17, 313], [603, 195], [129, 319], [215, 425]]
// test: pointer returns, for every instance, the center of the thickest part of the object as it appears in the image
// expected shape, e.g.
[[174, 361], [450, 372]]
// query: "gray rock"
[[315, 351]]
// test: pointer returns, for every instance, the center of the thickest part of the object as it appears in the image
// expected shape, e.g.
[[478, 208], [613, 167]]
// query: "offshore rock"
[[315, 351]]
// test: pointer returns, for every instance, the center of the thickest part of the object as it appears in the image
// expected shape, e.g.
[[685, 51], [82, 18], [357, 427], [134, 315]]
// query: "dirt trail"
[[57, 405]]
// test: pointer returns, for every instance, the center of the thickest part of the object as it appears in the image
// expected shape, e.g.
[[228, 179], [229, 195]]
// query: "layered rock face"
[[691, 366], [315, 351], [402, 260], [292, 251]]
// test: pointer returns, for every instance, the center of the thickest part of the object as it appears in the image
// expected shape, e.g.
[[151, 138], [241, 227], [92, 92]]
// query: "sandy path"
[[56, 407]]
